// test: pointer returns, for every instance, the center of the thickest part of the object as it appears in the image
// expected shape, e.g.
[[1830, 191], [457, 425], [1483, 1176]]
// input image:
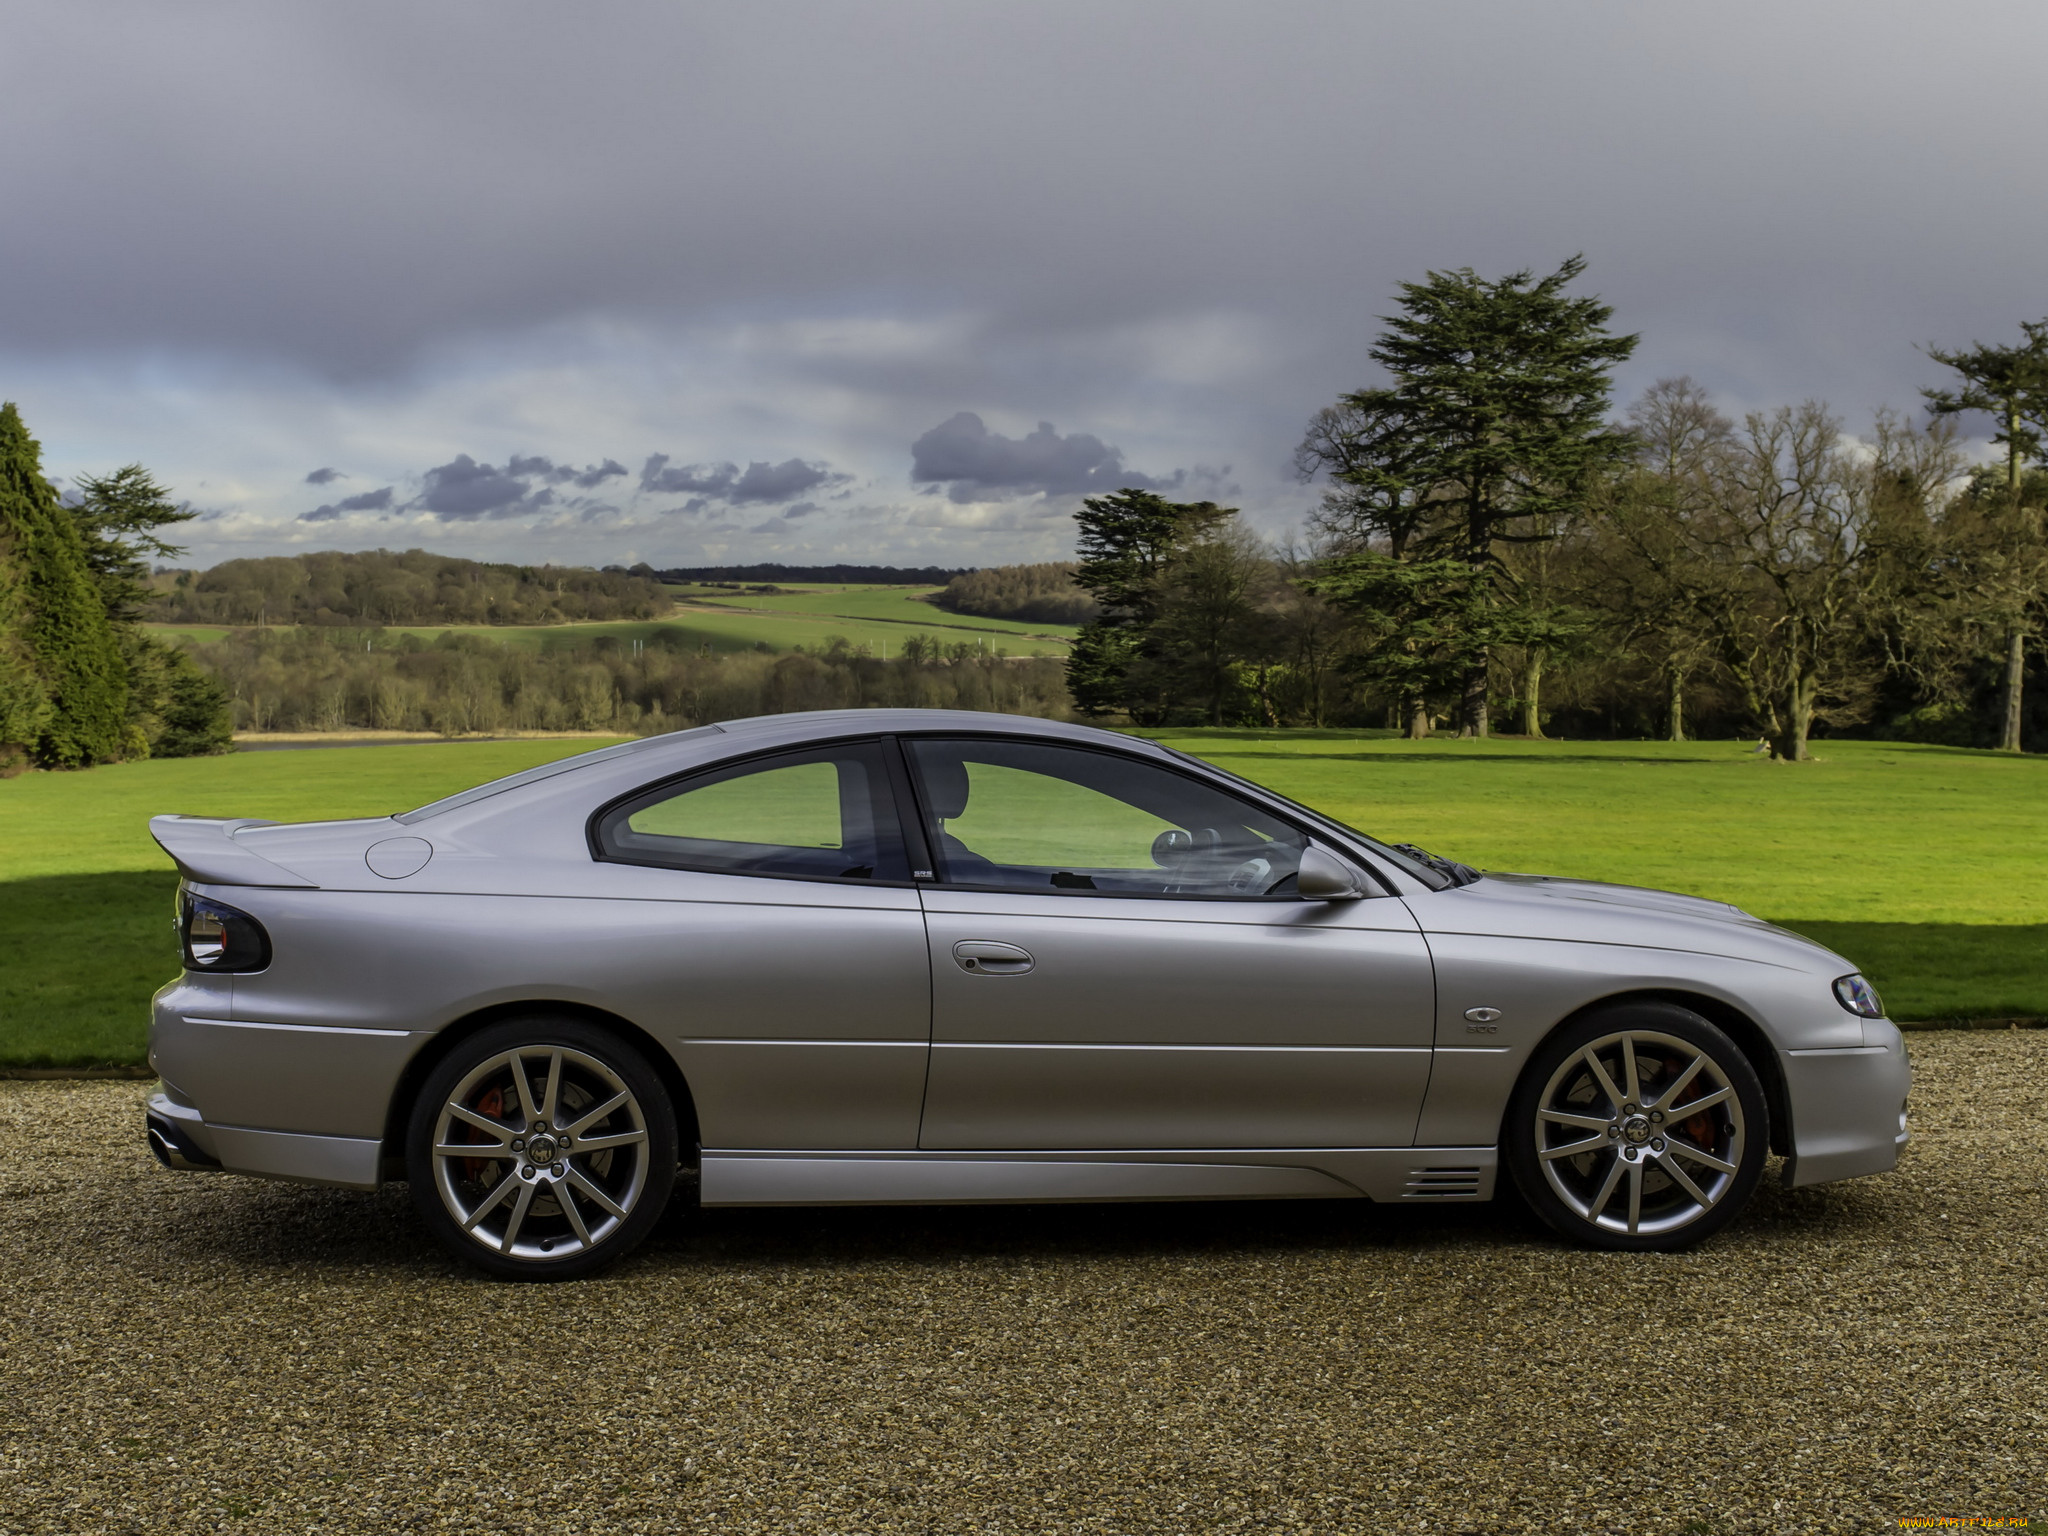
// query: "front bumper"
[[1848, 1107]]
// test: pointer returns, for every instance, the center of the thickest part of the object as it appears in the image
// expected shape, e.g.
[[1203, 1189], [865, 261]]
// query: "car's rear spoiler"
[[205, 850]]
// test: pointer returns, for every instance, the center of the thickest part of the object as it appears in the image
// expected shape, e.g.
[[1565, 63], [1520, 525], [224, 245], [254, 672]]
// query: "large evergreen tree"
[[174, 710], [1127, 543], [117, 517], [24, 706], [63, 624], [1491, 431], [2010, 385]]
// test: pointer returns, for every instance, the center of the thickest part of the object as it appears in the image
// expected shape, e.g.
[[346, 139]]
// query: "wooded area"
[[80, 682], [376, 587], [309, 679], [1035, 594], [802, 575], [1490, 542]]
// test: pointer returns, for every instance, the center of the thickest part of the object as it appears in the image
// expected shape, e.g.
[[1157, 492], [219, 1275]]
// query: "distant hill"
[[838, 575], [373, 587]]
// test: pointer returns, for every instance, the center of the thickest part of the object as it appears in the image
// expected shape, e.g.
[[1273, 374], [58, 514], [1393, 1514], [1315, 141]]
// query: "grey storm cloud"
[[463, 488], [781, 482], [664, 479], [979, 465], [1204, 245], [791, 514], [587, 478], [369, 501], [758, 482], [1717, 175]]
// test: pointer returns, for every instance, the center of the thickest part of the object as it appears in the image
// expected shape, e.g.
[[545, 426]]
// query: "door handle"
[[986, 958]]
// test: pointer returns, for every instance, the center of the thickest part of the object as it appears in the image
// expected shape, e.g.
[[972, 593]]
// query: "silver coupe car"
[[920, 956]]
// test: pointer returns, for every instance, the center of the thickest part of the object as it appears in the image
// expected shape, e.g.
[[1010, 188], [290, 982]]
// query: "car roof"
[[676, 751], [827, 723]]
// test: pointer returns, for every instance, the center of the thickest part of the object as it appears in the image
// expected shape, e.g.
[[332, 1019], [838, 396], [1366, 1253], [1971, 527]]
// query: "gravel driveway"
[[190, 1353]]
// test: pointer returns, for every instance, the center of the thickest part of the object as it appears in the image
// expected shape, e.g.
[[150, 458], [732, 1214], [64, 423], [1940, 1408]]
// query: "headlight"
[[218, 937], [1859, 997]]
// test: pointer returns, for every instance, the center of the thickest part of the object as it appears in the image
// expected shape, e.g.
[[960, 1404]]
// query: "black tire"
[[540, 1205], [1583, 1140]]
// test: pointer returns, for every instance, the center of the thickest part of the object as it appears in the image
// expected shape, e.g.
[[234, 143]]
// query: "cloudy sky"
[[900, 282]]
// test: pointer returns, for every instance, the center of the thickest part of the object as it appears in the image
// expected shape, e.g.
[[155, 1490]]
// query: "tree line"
[[325, 679], [378, 587], [1492, 541], [1032, 594], [80, 681], [772, 574]]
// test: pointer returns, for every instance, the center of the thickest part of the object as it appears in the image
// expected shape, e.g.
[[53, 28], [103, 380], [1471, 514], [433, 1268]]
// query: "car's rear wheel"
[[542, 1149], [1640, 1127]]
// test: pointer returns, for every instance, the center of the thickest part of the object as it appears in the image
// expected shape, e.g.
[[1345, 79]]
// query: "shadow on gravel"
[[278, 1226], [955, 1234], [237, 1222]]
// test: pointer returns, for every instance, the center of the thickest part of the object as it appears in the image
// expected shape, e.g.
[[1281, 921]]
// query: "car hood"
[[1555, 888], [1544, 907]]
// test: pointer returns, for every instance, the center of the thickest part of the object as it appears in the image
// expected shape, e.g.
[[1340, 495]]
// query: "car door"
[[1119, 961], [793, 970]]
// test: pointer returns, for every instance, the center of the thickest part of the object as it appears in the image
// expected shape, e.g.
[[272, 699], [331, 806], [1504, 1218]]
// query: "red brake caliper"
[[492, 1104], [1700, 1130]]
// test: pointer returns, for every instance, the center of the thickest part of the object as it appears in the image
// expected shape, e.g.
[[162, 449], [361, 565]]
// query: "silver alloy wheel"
[[540, 1152], [1640, 1132]]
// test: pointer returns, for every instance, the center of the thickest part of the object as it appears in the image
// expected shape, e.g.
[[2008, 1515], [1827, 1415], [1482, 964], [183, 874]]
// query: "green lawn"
[[85, 895], [893, 605], [1922, 864]]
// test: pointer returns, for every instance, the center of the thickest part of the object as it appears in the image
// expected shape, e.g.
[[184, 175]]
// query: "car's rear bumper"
[[182, 1139], [1848, 1107], [178, 1137], [282, 1101]]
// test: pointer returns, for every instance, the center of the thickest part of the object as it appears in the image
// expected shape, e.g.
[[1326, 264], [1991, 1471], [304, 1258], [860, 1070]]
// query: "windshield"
[[1436, 873]]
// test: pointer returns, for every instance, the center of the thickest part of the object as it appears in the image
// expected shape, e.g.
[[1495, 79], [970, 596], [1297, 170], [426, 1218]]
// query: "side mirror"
[[1325, 877]]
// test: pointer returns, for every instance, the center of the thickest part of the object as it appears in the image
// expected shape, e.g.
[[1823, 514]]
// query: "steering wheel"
[[1254, 875], [1179, 850]]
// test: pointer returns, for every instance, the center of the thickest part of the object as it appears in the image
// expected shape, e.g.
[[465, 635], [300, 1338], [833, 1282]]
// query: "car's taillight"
[[218, 937]]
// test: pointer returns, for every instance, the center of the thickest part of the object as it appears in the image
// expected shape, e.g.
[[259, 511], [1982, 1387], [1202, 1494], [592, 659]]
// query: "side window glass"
[[825, 815], [1021, 815]]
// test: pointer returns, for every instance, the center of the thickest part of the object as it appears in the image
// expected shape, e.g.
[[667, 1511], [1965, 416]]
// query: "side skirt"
[[1393, 1175]]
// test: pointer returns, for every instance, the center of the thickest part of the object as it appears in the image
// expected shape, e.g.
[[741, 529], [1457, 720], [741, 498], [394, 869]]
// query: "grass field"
[[880, 618], [1922, 864], [891, 605]]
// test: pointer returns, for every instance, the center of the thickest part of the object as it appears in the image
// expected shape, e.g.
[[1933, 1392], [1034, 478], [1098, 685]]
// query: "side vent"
[[1444, 1183]]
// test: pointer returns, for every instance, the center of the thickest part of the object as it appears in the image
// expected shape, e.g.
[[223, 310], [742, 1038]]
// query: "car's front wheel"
[[542, 1149], [1642, 1126]]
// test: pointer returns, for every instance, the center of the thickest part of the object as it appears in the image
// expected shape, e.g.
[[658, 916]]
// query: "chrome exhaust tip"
[[174, 1151]]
